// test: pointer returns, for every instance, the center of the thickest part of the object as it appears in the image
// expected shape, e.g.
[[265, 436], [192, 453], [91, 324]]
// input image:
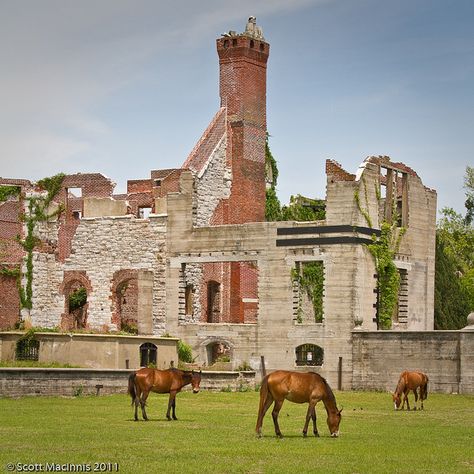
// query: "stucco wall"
[[93, 350]]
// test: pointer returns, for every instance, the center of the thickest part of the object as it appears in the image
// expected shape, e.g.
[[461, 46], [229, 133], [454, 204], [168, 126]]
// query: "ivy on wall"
[[38, 207], [300, 208], [383, 250], [310, 280]]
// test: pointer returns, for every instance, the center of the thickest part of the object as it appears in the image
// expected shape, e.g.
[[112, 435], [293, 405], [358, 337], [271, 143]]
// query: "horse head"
[[396, 400], [196, 380], [333, 421]]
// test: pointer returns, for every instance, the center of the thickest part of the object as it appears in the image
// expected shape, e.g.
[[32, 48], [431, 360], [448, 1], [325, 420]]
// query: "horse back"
[[158, 381], [297, 387], [414, 379]]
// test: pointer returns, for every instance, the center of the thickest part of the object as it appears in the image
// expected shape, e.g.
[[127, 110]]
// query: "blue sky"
[[122, 87]]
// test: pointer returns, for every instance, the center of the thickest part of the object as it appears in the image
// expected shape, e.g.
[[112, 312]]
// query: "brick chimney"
[[243, 82]]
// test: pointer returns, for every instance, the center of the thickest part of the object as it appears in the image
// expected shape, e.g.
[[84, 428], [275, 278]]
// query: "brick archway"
[[124, 295], [72, 281]]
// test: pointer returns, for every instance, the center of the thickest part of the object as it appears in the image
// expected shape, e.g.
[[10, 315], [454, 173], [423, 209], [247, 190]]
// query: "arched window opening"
[[127, 305], [309, 355], [218, 352], [148, 355], [76, 304]]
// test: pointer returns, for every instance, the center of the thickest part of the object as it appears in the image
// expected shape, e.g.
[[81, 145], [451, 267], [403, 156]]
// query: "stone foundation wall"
[[16, 382], [445, 356]]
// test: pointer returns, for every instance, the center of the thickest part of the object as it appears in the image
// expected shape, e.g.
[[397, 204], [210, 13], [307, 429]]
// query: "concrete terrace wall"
[[447, 357], [98, 351], [17, 382]]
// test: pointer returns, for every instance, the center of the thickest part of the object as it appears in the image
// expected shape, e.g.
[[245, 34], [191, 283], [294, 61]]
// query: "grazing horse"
[[171, 381], [298, 387], [410, 381]]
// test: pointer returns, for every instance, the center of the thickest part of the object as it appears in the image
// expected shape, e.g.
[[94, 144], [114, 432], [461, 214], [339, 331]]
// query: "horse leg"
[[313, 416], [311, 413], [306, 423], [136, 400], [170, 405], [416, 396], [275, 412], [136, 403], [174, 408], [422, 395], [406, 400], [143, 398]]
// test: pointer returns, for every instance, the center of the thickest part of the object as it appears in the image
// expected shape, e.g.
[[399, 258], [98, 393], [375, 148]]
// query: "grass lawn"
[[215, 433]]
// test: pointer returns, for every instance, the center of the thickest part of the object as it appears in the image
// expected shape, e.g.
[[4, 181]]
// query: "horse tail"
[[131, 386], [264, 393], [425, 391]]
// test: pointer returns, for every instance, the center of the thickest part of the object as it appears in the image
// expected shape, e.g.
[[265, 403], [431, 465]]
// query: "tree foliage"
[[300, 208], [454, 274]]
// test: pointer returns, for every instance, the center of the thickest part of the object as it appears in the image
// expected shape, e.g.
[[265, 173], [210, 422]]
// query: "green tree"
[[454, 271], [300, 208], [469, 187]]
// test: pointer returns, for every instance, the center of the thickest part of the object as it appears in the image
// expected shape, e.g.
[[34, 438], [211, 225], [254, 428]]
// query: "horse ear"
[[340, 411]]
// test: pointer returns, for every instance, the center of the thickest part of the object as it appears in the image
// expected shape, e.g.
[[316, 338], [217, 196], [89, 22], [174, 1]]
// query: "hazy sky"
[[122, 87]]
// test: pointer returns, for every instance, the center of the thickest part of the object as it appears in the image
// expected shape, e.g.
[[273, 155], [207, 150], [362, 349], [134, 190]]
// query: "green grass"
[[215, 433]]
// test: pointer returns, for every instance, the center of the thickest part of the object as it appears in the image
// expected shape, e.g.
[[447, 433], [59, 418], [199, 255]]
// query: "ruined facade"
[[187, 252]]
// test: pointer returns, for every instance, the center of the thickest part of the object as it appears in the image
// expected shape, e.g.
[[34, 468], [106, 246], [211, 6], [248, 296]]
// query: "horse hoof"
[[316, 434], [305, 435]]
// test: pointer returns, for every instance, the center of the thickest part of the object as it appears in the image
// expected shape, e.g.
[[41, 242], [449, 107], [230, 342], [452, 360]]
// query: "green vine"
[[364, 212], [272, 203], [310, 280], [37, 212], [383, 250]]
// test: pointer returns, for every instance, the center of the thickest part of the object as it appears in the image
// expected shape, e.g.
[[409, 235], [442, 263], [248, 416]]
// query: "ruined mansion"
[[187, 252]]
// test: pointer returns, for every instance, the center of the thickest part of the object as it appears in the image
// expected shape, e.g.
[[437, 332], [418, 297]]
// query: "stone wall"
[[17, 382], [445, 356], [101, 247]]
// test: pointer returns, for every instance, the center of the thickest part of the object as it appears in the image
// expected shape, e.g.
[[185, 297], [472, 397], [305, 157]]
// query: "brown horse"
[[410, 381], [171, 381], [298, 387]]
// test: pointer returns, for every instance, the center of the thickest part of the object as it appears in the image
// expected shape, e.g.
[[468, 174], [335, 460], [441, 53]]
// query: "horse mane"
[[329, 393], [400, 385]]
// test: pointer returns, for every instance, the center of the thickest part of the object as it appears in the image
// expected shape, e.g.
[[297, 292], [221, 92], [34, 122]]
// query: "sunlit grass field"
[[215, 433]]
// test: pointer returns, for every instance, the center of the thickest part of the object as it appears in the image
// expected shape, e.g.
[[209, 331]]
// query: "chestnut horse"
[[298, 387], [171, 381], [410, 380]]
